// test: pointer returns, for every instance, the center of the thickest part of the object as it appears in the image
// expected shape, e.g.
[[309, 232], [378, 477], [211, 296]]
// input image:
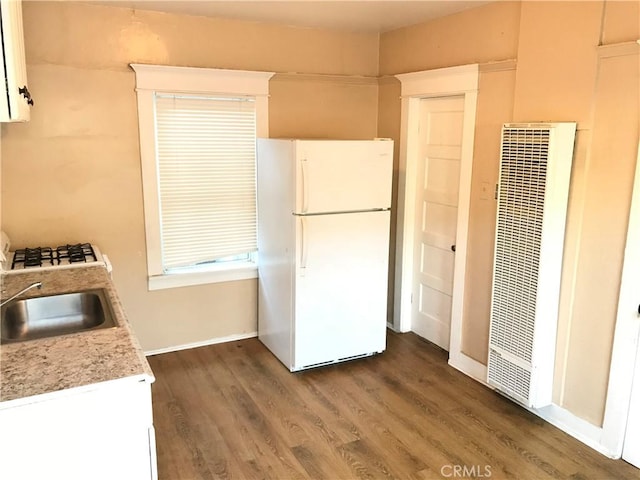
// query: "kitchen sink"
[[55, 315]]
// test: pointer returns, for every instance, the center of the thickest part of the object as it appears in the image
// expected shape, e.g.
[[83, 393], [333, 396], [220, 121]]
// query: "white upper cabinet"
[[15, 99]]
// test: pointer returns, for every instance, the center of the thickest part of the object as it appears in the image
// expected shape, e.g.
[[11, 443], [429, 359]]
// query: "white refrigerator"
[[323, 248]]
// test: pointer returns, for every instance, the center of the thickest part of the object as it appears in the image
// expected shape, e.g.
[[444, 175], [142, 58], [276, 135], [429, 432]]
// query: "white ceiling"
[[350, 15]]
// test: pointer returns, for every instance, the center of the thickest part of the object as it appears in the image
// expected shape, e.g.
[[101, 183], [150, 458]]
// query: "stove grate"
[[45, 256], [80, 252], [33, 257]]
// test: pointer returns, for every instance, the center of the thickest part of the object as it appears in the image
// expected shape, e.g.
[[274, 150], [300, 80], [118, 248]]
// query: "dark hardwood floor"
[[234, 411]]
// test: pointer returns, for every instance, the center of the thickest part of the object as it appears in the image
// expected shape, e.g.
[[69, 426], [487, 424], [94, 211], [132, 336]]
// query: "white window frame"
[[189, 80]]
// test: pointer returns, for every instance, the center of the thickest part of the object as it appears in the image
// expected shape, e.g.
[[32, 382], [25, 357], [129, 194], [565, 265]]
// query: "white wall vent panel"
[[535, 170]]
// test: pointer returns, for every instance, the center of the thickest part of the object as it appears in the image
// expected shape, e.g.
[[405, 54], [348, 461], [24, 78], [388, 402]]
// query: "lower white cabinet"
[[104, 432]]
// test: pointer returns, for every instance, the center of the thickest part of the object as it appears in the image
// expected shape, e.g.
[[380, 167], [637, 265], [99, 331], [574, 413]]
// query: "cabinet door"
[[102, 434], [14, 94]]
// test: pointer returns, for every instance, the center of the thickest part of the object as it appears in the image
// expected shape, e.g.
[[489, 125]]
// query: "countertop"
[[40, 369]]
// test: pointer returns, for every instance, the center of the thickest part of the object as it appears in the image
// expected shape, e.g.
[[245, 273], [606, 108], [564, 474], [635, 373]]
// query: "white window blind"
[[205, 149]]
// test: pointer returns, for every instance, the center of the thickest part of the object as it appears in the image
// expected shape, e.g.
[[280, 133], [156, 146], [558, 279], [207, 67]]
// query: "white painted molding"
[[324, 78], [500, 66], [224, 273], [150, 192], [578, 428], [388, 80], [204, 343], [209, 80], [462, 227], [391, 327], [442, 81], [619, 49], [470, 367], [404, 225]]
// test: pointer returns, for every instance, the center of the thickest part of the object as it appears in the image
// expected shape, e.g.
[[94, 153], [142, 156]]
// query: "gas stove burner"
[[80, 252], [33, 257], [78, 255]]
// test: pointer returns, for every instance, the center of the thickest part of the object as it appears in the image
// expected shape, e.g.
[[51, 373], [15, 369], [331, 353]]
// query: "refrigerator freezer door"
[[341, 287], [338, 176]]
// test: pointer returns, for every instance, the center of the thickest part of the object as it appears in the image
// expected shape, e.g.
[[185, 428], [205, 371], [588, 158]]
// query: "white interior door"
[[630, 299], [341, 286], [440, 131], [631, 450]]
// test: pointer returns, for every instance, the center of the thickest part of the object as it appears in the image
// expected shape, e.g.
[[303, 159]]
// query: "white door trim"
[[462, 80], [627, 331]]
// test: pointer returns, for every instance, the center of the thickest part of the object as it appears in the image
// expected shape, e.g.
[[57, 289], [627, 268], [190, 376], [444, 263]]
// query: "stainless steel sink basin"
[[42, 317]]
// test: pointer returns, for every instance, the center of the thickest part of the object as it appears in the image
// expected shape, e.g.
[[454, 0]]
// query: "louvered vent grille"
[[523, 176], [535, 169], [516, 379]]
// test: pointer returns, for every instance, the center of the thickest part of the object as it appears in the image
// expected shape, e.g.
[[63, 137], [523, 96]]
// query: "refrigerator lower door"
[[340, 287]]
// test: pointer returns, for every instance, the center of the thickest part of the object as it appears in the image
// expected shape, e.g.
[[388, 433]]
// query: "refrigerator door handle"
[[303, 246], [305, 194]]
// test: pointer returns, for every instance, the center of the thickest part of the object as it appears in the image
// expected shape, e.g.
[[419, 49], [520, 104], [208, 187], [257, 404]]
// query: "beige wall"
[[556, 61], [92, 36], [389, 127], [73, 172], [495, 104], [558, 77], [315, 106], [621, 22], [479, 35]]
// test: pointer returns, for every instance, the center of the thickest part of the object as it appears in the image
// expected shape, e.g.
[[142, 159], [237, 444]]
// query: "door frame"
[[443, 82], [627, 333]]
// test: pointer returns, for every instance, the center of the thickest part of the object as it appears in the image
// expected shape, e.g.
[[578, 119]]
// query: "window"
[[198, 129]]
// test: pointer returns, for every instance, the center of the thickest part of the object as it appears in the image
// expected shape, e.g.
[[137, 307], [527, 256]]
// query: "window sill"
[[228, 273]]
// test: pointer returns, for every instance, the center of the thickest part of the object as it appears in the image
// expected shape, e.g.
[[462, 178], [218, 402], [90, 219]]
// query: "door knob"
[[453, 248]]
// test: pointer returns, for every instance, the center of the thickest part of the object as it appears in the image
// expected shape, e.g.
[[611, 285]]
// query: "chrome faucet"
[[37, 285]]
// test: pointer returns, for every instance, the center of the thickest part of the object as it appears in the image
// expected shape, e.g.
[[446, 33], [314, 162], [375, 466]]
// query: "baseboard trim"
[[204, 343], [575, 426], [470, 367]]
